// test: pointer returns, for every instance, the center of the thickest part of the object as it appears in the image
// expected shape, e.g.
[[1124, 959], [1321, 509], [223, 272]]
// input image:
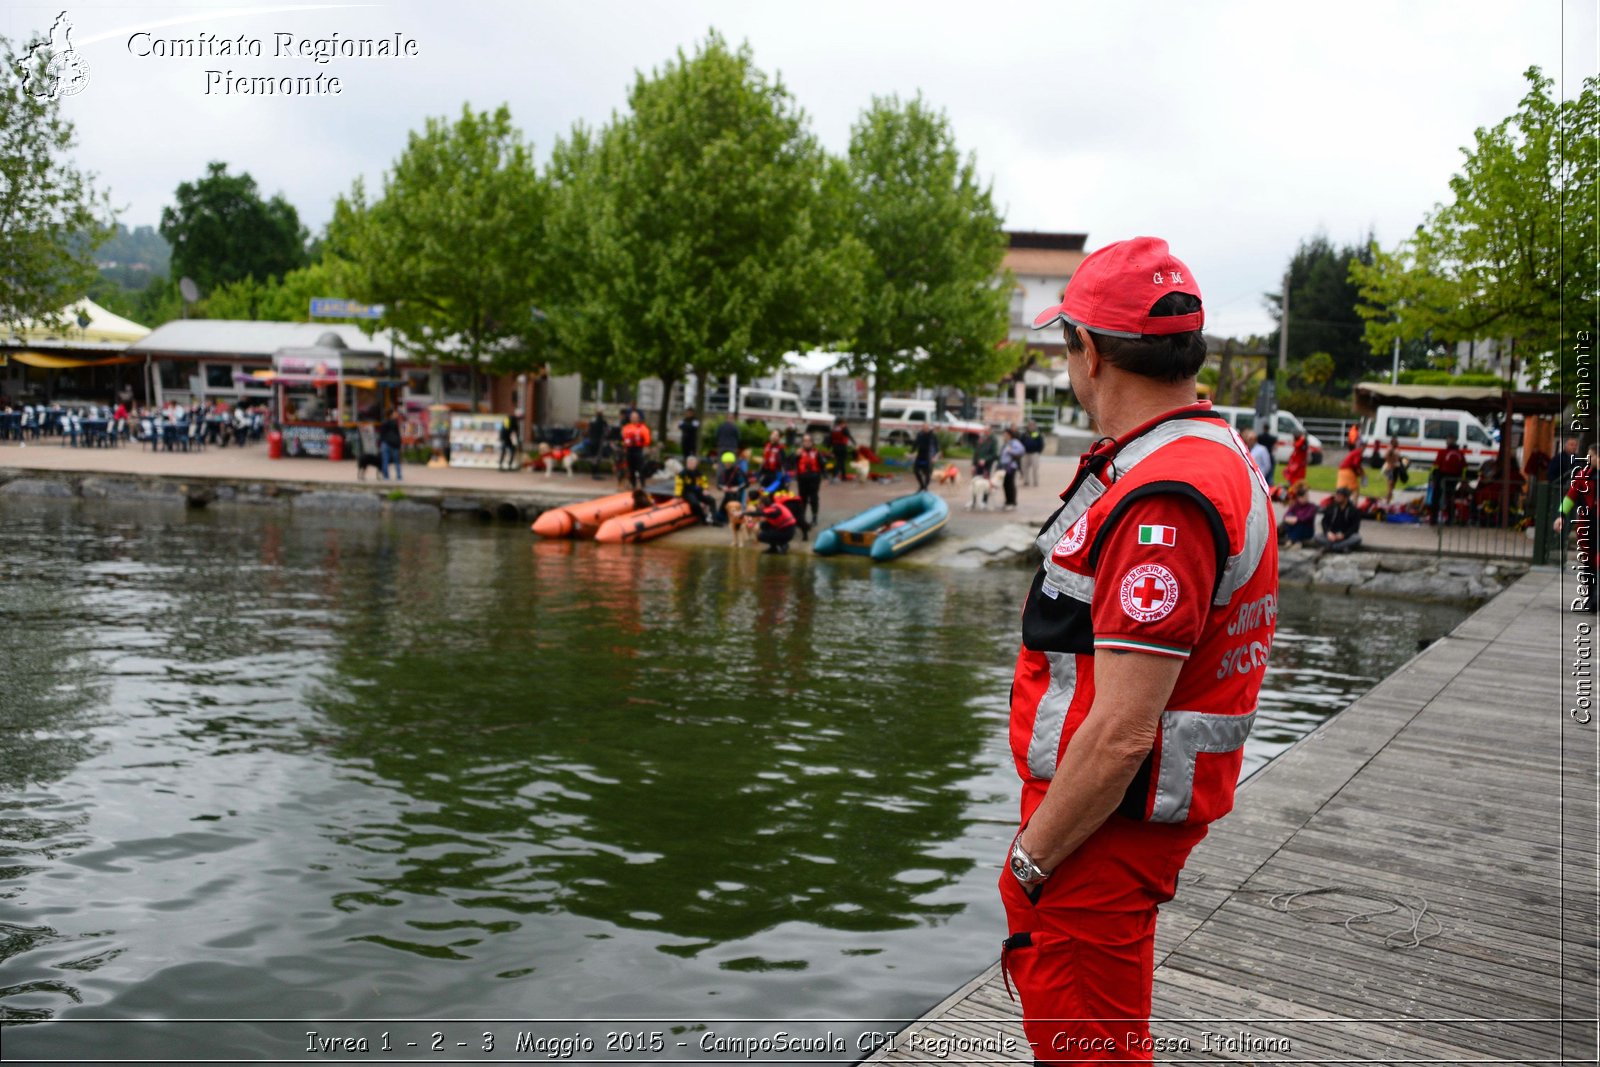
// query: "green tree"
[[1322, 310], [695, 233], [52, 215], [286, 299], [451, 247], [934, 302], [221, 231], [1514, 254]]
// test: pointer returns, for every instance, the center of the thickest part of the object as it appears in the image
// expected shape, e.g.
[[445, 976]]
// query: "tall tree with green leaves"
[[52, 215], [451, 245], [221, 231], [286, 299], [694, 234], [1322, 310], [934, 299], [1516, 254]]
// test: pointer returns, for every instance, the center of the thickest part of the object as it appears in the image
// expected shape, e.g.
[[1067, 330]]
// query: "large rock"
[[1414, 585], [335, 502], [45, 487], [413, 509], [120, 489], [1006, 544], [1401, 563], [1340, 573]]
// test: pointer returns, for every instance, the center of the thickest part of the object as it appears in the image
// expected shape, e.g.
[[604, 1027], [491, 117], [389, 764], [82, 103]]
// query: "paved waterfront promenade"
[[1460, 785]]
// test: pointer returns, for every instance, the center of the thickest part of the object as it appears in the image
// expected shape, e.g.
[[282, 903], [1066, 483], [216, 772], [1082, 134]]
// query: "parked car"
[[1422, 433], [780, 410], [899, 419], [1285, 428]]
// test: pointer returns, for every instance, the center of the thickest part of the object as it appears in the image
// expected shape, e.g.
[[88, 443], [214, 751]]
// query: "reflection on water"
[[319, 768]]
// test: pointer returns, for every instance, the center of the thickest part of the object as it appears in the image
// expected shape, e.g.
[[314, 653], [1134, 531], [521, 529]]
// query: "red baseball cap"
[[1115, 288]]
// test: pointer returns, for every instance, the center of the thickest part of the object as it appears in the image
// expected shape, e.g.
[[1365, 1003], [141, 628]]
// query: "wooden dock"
[[1456, 804]]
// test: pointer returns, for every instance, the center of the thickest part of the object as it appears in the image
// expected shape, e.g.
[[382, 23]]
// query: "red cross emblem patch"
[[1149, 592], [1073, 539]]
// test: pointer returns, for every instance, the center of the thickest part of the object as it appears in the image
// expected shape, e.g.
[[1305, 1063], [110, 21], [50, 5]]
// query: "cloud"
[[1233, 129]]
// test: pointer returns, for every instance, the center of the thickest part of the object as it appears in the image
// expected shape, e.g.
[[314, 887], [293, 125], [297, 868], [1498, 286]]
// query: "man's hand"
[[1131, 692]]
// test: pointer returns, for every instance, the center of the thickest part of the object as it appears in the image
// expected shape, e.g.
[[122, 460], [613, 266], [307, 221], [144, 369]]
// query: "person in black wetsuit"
[[924, 447], [597, 442]]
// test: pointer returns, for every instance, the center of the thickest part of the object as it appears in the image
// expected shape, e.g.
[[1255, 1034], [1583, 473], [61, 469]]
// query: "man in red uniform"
[[635, 439], [1145, 636], [1449, 464]]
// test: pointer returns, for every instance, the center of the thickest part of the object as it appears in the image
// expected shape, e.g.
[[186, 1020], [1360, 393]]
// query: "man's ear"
[[1093, 360]]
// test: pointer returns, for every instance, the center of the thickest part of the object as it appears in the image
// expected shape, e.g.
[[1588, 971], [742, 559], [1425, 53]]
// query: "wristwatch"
[[1023, 869]]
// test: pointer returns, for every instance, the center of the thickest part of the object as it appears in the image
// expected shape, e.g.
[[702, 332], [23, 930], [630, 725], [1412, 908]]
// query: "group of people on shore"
[[172, 427]]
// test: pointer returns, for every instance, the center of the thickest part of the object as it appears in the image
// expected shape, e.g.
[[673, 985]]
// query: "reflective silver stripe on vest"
[[1051, 717], [1184, 735], [1091, 490], [1062, 580]]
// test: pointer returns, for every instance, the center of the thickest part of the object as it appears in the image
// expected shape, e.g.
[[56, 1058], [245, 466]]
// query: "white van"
[[780, 410], [1422, 432], [1285, 428], [899, 418]]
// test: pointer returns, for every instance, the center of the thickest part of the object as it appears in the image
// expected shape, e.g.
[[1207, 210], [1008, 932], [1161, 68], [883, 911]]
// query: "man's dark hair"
[[1168, 358]]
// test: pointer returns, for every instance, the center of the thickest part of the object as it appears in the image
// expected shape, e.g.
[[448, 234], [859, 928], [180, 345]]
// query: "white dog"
[[862, 469], [981, 488], [550, 457]]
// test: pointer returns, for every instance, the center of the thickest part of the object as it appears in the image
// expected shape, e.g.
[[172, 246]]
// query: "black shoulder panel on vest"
[[1219, 532]]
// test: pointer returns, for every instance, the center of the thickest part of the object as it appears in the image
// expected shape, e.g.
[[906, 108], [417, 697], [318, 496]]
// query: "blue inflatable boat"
[[887, 531]]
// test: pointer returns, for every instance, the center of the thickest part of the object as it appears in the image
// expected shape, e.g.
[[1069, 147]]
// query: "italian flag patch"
[[1158, 535]]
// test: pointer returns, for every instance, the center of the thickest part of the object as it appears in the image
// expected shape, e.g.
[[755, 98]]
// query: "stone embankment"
[[967, 545], [1412, 575], [399, 501]]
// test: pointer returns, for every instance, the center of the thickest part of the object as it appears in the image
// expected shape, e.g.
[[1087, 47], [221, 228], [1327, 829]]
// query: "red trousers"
[[1081, 956]]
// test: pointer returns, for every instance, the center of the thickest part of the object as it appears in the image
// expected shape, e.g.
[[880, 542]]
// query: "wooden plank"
[[1442, 784]]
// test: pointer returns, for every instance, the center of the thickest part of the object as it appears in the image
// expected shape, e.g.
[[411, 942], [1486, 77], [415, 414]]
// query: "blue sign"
[[331, 307]]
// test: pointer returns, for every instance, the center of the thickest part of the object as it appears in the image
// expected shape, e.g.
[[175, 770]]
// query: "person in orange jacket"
[[635, 439]]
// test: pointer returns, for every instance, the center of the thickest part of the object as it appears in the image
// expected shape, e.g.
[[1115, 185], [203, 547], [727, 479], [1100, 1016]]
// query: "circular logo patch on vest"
[[1149, 592], [1073, 539]]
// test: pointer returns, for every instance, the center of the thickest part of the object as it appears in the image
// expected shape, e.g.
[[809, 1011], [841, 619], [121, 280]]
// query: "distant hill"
[[134, 258]]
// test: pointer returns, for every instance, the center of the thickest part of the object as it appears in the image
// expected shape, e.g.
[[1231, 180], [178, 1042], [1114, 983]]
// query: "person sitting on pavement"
[[1341, 523], [692, 485], [1299, 523], [778, 525]]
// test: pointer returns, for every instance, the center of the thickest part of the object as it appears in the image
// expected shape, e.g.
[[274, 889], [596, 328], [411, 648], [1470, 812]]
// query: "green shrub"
[[1315, 405], [1444, 377], [753, 434]]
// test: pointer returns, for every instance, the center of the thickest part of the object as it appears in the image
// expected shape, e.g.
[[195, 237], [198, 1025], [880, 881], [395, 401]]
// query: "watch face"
[[1019, 867]]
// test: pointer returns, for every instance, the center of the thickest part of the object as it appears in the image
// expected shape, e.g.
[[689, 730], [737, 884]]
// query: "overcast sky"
[[1233, 129]]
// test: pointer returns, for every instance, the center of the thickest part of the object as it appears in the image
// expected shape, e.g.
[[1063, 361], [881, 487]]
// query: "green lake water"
[[263, 767]]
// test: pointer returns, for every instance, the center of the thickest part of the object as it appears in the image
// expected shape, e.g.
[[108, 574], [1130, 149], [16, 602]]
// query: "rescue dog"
[[946, 477], [551, 457], [981, 488], [738, 523], [862, 469]]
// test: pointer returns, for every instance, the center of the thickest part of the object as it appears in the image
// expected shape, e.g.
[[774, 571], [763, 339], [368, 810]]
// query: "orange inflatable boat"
[[582, 520], [642, 525]]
